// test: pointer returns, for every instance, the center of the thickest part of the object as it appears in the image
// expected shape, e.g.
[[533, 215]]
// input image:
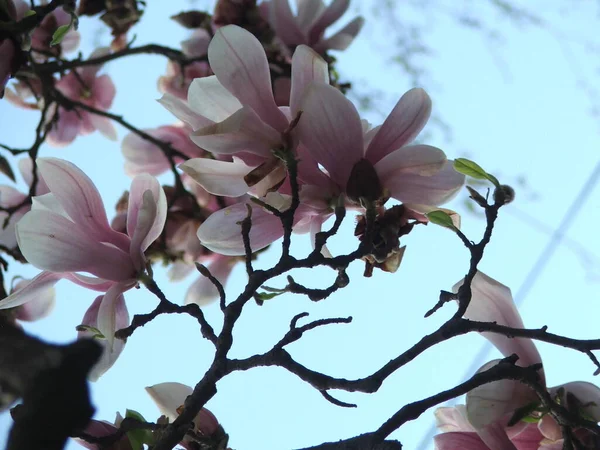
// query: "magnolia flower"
[[376, 163], [84, 86], [234, 112], [10, 197], [483, 423], [308, 25], [170, 397], [67, 232], [142, 156]]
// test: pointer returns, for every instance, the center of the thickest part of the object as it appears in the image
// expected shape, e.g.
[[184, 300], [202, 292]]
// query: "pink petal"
[[146, 215], [104, 92], [307, 66], [423, 160], [492, 301], [218, 177], [79, 197], [238, 60], [331, 130], [332, 13], [51, 242], [179, 270], [197, 45], [105, 126], [203, 292], [404, 123], [65, 130], [40, 306], [168, 397], [70, 42], [37, 287], [183, 112], [452, 419], [459, 441], [489, 404], [284, 23], [308, 11], [108, 313], [242, 131], [431, 190], [221, 232], [210, 99], [343, 38]]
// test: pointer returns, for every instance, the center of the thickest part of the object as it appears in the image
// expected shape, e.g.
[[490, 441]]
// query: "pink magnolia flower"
[[87, 87], [234, 112], [10, 197], [67, 232], [170, 397], [142, 156], [376, 163], [309, 24], [483, 423]]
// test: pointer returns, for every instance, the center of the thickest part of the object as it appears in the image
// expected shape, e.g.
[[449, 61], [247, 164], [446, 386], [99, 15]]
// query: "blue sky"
[[516, 106]]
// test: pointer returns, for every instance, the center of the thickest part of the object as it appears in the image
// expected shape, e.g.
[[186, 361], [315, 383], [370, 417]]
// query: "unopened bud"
[[504, 194]]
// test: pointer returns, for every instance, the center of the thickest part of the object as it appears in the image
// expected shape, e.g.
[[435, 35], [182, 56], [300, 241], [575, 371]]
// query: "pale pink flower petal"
[[242, 131], [404, 123], [435, 189], [40, 306], [61, 246], [168, 397], [490, 403], [77, 194], [197, 44], [333, 12], [179, 270], [65, 130], [461, 441], [203, 292], [218, 177], [307, 67], [183, 112], [104, 92], [343, 38], [331, 130], [308, 11], [107, 314], [422, 160], [222, 233], [492, 301], [146, 215], [210, 99], [104, 125], [238, 60], [450, 419], [35, 288], [284, 23], [99, 428]]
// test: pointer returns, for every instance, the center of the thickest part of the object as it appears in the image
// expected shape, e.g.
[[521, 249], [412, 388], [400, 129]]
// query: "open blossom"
[[483, 423], [376, 163], [234, 114], [67, 232], [85, 86], [309, 24]]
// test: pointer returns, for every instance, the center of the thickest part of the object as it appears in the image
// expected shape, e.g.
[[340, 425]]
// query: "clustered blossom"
[[67, 232], [482, 424]]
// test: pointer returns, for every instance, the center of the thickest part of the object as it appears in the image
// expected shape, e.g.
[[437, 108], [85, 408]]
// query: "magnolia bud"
[[504, 194]]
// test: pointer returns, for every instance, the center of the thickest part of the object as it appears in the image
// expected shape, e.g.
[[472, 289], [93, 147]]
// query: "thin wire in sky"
[[534, 273]]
